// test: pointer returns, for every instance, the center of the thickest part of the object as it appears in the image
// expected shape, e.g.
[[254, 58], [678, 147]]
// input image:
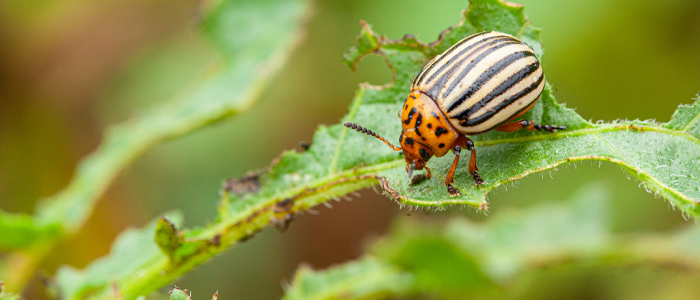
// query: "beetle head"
[[416, 154]]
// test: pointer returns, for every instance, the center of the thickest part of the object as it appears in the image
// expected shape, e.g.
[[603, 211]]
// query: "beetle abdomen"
[[482, 81]]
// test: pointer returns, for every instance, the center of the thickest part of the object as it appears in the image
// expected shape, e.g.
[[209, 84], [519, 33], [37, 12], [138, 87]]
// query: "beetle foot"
[[454, 192], [550, 128], [477, 178]]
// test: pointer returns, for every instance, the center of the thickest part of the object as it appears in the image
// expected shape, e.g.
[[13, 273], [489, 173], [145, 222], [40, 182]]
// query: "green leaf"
[[178, 294], [132, 250], [464, 259], [492, 254], [20, 230], [662, 156], [252, 48], [168, 238], [686, 118], [338, 162], [366, 278], [254, 39]]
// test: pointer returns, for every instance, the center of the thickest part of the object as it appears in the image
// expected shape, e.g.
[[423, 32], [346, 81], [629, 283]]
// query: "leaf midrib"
[[691, 123], [597, 129], [341, 139], [550, 136], [393, 163]]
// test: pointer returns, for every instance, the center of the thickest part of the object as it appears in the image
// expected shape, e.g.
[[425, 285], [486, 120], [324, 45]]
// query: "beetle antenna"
[[366, 131], [410, 169]]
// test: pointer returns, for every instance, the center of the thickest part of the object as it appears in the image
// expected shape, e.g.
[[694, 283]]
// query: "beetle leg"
[[430, 174], [473, 168], [449, 178], [529, 125]]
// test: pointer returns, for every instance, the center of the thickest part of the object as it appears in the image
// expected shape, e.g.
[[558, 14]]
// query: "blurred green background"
[[68, 69]]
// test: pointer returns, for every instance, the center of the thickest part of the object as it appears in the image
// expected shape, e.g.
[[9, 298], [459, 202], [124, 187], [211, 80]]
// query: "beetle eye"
[[424, 154]]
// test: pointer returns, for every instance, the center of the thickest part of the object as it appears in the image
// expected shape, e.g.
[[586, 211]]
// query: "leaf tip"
[[167, 237], [178, 294], [368, 42]]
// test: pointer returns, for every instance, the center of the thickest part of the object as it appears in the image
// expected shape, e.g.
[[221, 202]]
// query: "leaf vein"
[[351, 115]]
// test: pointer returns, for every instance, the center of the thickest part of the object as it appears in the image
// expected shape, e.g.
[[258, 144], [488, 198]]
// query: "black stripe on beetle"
[[502, 105], [499, 90], [482, 88], [478, 55], [469, 67], [431, 65], [452, 81], [488, 75], [462, 54]]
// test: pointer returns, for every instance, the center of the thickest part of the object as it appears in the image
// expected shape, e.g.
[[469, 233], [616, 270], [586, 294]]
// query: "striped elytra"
[[482, 83]]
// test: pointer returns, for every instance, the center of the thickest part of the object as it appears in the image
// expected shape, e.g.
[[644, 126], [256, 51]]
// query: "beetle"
[[484, 82]]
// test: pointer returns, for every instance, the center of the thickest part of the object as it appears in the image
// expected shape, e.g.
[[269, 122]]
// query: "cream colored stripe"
[[413, 86], [503, 115], [519, 86], [452, 55], [472, 75]]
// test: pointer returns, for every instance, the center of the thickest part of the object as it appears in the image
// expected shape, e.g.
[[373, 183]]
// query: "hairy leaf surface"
[[254, 39], [662, 156], [462, 258], [340, 161], [251, 47], [131, 250]]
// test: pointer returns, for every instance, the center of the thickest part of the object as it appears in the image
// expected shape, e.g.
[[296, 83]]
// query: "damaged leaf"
[[245, 65], [132, 250], [168, 238], [339, 162], [664, 157]]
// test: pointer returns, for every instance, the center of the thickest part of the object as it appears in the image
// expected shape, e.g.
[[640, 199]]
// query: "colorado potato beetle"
[[483, 82]]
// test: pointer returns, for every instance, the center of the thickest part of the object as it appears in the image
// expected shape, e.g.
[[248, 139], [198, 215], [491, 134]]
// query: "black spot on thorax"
[[439, 131], [419, 120], [410, 116]]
